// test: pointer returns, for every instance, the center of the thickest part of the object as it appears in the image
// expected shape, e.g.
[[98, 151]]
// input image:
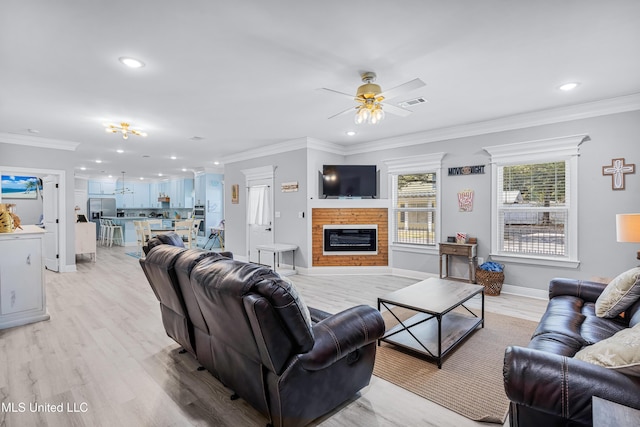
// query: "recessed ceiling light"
[[568, 86], [98, 161], [141, 178], [120, 151], [131, 62], [83, 168], [160, 174], [184, 169], [110, 176], [351, 132], [33, 131], [216, 162], [173, 157]]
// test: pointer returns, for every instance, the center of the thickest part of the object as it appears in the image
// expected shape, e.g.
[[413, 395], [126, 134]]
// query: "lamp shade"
[[628, 227]]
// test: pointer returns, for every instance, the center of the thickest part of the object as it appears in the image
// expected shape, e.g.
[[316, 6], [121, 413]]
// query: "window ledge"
[[414, 248], [549, 262]]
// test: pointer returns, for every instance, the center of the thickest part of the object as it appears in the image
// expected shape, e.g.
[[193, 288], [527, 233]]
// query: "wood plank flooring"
[[105, 360]]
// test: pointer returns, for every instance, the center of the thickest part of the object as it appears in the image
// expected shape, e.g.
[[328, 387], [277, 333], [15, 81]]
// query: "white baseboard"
[[525, 292], [412, 274], [67, 268]]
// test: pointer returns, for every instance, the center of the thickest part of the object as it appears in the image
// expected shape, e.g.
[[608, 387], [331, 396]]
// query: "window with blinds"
[[414, 209], [533, 208]]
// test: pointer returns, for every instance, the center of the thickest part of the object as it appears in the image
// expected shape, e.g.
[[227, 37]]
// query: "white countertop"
[[26, 229]]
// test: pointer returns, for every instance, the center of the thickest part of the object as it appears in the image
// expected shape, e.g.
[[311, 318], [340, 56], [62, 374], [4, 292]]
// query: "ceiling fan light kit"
[[370, 97], [123, 128]]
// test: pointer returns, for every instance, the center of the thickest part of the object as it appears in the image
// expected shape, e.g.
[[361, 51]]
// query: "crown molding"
[[35, 141], [329, 147], [536, 118], [270, 150]]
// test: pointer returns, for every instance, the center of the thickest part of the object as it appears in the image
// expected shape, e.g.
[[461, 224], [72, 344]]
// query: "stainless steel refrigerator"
[[98, 208]]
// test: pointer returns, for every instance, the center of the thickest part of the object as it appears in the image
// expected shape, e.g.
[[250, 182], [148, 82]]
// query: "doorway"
[[53, 202], [260, 208]]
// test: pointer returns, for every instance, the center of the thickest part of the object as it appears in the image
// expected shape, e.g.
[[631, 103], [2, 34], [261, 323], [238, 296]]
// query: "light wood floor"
[[105, 355]]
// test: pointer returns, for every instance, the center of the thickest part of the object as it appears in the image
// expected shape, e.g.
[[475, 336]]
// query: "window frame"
[[420, 164], [564, 149]]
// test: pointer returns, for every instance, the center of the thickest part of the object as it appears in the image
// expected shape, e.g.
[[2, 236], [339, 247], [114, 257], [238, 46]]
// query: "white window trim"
[[426, 163], [564, 148]]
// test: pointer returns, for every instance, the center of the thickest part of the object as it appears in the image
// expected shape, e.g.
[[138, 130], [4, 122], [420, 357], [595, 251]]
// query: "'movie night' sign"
[[466, 170]]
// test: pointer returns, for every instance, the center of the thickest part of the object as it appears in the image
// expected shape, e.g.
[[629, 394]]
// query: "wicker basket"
[[491, 280]]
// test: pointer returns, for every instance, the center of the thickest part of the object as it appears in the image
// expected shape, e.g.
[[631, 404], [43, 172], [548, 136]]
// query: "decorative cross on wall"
[[618, 170]]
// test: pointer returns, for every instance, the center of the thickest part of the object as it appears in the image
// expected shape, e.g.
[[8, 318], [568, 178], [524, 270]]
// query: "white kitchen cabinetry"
[[101, 188], [22, 287]]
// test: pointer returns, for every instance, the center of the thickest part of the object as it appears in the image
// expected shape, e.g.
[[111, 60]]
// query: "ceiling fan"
[[369, 97]]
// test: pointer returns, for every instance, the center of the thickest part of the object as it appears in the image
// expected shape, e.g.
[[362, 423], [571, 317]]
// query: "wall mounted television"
[[20, 187], [349, 181]]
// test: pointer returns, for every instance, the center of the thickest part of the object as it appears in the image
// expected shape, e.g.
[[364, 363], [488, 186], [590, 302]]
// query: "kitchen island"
[[129, 231]]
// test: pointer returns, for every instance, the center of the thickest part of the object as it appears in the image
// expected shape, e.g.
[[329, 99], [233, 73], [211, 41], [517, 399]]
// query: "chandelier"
[[123, 190], [123, 128]]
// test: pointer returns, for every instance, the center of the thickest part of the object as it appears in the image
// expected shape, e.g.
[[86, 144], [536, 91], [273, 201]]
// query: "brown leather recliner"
[[290, 365], [546, 385]]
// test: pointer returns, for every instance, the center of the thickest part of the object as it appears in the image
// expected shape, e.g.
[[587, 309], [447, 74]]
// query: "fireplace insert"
[[350, 239]]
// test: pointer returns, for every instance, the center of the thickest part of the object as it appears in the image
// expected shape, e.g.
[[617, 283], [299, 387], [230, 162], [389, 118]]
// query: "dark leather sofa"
[[546, 385], [246, 325]]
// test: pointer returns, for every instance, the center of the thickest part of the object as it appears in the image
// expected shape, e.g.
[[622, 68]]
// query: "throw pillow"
[[620, 352], [619, 294]]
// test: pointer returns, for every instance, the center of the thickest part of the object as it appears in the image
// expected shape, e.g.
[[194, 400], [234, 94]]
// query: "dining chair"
[[194, 231], [141, 239], [183, 229]]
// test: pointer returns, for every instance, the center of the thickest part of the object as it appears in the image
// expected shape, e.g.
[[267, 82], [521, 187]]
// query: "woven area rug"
[[470, 381]]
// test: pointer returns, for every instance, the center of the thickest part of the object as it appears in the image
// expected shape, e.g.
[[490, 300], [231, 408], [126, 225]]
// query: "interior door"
[[260, 218], [50, 212]]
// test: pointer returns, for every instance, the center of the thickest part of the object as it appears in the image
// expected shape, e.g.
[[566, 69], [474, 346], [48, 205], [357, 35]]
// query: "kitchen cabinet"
[[97, 188], [141, 197], [22, 280]]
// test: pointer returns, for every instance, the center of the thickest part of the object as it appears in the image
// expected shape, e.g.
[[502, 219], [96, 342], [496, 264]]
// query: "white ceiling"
[[245, 74]]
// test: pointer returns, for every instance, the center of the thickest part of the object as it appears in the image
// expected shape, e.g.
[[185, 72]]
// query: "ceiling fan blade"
[[351, 97], [388, 108], [348, 110], [405, 87]]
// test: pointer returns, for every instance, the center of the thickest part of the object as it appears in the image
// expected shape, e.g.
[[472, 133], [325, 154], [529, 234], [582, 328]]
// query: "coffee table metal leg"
[[439, 342]]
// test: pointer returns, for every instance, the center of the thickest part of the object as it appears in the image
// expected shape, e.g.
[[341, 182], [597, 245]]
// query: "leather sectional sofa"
[[249, 328], [546, 384]]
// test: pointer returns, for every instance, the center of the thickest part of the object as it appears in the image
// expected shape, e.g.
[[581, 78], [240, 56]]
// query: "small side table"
[[467, 250], [277, 249]]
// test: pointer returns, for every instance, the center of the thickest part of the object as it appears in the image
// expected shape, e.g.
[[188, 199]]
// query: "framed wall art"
[[20, 187]]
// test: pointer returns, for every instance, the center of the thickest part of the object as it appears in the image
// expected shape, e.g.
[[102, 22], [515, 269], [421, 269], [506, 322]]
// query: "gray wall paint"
[[611, 136], [30, 158], [289, 166]]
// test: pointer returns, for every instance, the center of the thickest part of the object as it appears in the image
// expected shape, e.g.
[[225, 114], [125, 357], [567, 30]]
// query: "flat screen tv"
[[349, 181]]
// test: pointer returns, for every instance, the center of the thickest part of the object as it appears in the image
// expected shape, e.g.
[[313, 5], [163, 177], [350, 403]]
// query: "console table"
[[277, 249], [466, 250]]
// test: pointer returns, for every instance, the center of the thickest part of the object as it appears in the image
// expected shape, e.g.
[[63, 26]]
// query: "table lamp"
[[628, 228]]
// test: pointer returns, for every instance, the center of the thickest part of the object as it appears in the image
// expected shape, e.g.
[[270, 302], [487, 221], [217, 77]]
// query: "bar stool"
[[114, 232], [102, 236]]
